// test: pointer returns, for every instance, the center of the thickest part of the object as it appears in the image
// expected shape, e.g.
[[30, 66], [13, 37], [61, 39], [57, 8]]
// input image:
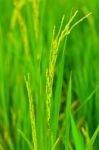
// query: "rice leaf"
[[68, 113], [76, 135], [92, 140], [25, 138]]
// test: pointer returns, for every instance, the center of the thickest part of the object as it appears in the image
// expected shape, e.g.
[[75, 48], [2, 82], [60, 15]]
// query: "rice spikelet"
[[17, 17], [35, 5], [17, 7], [53, 56], [32, 114], [24, 33]]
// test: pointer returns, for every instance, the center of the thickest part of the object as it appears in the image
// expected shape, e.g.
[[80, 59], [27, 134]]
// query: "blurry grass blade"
[[10, 143], [68, 113], [55, 144], [87, 100], [70, 147], [25, 138], [92, 140], [76, 135]]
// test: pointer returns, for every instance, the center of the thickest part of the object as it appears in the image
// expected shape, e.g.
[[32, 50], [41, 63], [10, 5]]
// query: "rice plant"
[[49, 76]]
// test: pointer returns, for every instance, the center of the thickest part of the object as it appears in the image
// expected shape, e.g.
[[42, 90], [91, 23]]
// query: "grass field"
[[49, 75]]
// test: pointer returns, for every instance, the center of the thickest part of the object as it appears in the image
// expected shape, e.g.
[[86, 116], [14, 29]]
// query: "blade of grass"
[[92, 140], [76, 135], [25, 138], [67, 118], [55, 144], [87, 100]]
